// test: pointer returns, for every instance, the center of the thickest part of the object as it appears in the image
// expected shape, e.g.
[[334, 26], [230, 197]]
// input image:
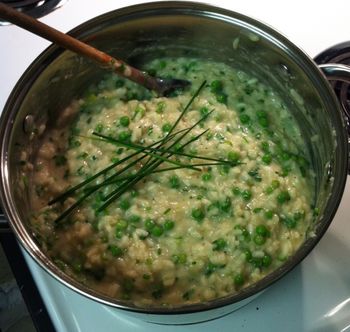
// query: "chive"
[[176, 151], [127, 184]]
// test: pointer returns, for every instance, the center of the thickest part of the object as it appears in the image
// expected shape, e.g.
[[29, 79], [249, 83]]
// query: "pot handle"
[[339, 77]]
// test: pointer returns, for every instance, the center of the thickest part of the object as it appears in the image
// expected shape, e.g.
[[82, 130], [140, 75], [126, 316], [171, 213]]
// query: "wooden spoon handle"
[[72, 44]]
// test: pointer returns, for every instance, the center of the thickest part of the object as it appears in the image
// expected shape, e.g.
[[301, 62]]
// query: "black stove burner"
[[34, 8]]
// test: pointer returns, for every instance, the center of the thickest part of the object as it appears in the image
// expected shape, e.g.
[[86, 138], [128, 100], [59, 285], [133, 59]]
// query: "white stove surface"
[[315, 296]]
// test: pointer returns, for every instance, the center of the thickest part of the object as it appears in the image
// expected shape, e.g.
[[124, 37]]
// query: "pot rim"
[[180, 7]]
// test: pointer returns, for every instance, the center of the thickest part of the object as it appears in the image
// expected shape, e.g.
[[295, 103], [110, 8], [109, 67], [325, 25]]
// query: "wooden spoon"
[[160, 85]]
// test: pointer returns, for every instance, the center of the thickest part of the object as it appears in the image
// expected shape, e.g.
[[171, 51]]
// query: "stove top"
[[315, 296]]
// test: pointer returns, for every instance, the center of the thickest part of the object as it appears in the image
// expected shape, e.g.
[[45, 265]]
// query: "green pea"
[[134, 219], [210, 268], [275, 184], [221, 97], [219, 244], [169, 225], [157, 230], [124, 121], [225, 206], [298, 215], [174, 182], [244, 118], [265, 146], [119, 83], [269, 190], [262, 230], [267, 260], [225, 169], [166, 127], [248, 255], [124, 204], [120, 151], [149, 224], [257, 262], [284, 155], [160, 107], [247, 195], [216, 86], [246, 235], [233, 157], [290, 223], [238, 279], [204, 111], [181, 258], [206, 177], [267, 158], [268, 214], [285, 170], [263, 122], [115, 251], [283, 197], [124, 136], [60, 160], [259, 239], [121, 225], [119, 234], [198, 214], [254, 173], [236, 191], [99, 128]]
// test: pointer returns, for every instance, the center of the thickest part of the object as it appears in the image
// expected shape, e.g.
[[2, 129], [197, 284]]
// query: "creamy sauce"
[[176, 236]]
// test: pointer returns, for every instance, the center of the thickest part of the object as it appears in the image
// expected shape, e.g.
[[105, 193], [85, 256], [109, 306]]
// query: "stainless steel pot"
[[142, 32]]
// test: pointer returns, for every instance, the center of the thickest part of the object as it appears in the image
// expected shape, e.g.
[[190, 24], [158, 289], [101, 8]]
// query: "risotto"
[[178, 199]]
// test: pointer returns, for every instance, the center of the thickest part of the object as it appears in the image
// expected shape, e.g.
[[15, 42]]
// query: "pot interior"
[[142, 33]]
